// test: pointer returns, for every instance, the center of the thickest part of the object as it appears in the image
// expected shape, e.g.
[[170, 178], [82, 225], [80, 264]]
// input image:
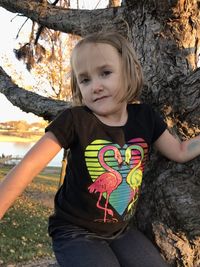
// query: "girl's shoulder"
[[80, 111], [143, 110], [140, 107], [74, 110], [79, 108]]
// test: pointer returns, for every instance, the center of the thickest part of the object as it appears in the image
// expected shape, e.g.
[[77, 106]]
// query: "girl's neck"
[[116, 119]]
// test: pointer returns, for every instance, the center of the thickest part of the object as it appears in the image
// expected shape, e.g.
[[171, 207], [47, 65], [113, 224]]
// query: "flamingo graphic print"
[[108, 181], [115, 170], [134, 177]]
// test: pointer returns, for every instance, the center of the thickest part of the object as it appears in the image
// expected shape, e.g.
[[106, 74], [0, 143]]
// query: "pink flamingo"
[[108, 181]]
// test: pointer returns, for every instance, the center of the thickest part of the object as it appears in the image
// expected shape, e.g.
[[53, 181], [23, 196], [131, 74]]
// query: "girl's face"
[[98, 69]]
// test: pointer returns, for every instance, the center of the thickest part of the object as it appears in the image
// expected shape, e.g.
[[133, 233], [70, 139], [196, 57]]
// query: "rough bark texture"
[[72, 21], [168, 44], [166, 37], [29, 101]]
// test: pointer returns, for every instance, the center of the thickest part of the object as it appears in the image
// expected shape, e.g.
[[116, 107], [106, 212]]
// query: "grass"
[[23, 230]]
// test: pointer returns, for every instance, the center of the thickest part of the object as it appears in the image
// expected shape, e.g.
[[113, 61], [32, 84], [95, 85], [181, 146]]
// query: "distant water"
[[19, 149]]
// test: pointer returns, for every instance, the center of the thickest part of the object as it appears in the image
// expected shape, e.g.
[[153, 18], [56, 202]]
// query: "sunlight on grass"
[[23, 230]]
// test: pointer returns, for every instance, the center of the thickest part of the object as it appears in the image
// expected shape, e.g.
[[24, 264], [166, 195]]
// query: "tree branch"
[[29, 101], [72, 21]]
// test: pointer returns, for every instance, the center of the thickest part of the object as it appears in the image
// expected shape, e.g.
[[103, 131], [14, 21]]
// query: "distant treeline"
[[22, 126]]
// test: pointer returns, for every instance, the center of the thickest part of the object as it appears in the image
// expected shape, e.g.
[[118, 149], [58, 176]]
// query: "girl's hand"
[[176, 150], [21, 175]]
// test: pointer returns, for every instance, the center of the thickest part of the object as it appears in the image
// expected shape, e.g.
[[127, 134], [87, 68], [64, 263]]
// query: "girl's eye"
[[106, 73], [85, 80]]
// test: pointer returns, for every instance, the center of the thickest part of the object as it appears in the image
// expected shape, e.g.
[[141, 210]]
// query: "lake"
[[19, 149]]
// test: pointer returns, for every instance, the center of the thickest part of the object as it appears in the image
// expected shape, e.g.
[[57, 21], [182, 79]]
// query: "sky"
[[8, 42], [8, 33]]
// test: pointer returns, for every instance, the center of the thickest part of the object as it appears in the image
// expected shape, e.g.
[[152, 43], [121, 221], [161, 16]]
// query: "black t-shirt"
[[105, 167]]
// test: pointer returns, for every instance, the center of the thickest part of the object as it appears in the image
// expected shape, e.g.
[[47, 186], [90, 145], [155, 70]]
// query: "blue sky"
[[8, 32]]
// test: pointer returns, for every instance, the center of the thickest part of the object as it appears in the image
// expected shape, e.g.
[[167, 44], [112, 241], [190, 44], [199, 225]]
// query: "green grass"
[[23, 230]]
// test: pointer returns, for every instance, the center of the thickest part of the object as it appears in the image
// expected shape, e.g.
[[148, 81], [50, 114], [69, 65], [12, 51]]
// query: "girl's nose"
[[97, 86]]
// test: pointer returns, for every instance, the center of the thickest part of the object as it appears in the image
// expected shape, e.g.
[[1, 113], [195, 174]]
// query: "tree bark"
[[166, 37], [72, 21], [29, 101]]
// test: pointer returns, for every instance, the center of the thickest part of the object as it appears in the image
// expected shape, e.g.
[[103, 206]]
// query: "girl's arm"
[[21, 175], [176, 150]]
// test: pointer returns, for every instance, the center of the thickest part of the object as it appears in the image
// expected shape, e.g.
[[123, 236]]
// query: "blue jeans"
[[130, 249]]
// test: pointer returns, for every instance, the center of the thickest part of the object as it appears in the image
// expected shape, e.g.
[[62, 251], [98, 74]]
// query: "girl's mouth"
[[100, 98]]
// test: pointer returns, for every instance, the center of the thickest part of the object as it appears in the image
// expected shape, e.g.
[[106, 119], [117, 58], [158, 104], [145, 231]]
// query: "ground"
[[47, 199], [40, 263]]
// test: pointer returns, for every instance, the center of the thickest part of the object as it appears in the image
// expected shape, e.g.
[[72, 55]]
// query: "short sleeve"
[[159, 126], [63, 128]]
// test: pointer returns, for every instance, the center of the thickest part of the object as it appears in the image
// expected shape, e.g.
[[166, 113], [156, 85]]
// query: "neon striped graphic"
[[116, 174]]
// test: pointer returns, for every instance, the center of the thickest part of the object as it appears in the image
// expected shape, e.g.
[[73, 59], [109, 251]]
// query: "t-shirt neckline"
[[106, 125]]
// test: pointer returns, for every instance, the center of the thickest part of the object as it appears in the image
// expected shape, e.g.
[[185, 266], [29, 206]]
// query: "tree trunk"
[[169, 208], [166, 37]]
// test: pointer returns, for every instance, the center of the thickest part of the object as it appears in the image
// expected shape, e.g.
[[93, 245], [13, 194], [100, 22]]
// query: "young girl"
[[109, 139]]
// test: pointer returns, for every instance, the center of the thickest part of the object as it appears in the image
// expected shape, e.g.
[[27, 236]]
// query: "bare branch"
[[29, 101], [67, 20]]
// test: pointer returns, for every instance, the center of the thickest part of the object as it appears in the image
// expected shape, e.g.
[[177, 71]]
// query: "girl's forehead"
[[93, 54], [93, 47]]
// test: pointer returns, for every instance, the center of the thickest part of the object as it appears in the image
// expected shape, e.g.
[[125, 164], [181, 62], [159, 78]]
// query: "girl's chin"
[[102, 111]]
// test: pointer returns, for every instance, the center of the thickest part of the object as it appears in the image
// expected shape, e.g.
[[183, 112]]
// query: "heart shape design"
[[108, 169]]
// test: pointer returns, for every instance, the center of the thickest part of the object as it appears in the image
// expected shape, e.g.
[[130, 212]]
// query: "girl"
[[108, 139]]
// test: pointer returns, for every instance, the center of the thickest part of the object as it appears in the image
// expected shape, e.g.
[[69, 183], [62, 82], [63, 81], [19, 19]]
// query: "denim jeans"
[[130, 249]]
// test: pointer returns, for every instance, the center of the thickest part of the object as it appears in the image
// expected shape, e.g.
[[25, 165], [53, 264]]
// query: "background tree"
[[166, 37], [46, 55]]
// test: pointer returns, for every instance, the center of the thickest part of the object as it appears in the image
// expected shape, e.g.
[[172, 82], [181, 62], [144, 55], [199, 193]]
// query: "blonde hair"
[[132, 71]]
